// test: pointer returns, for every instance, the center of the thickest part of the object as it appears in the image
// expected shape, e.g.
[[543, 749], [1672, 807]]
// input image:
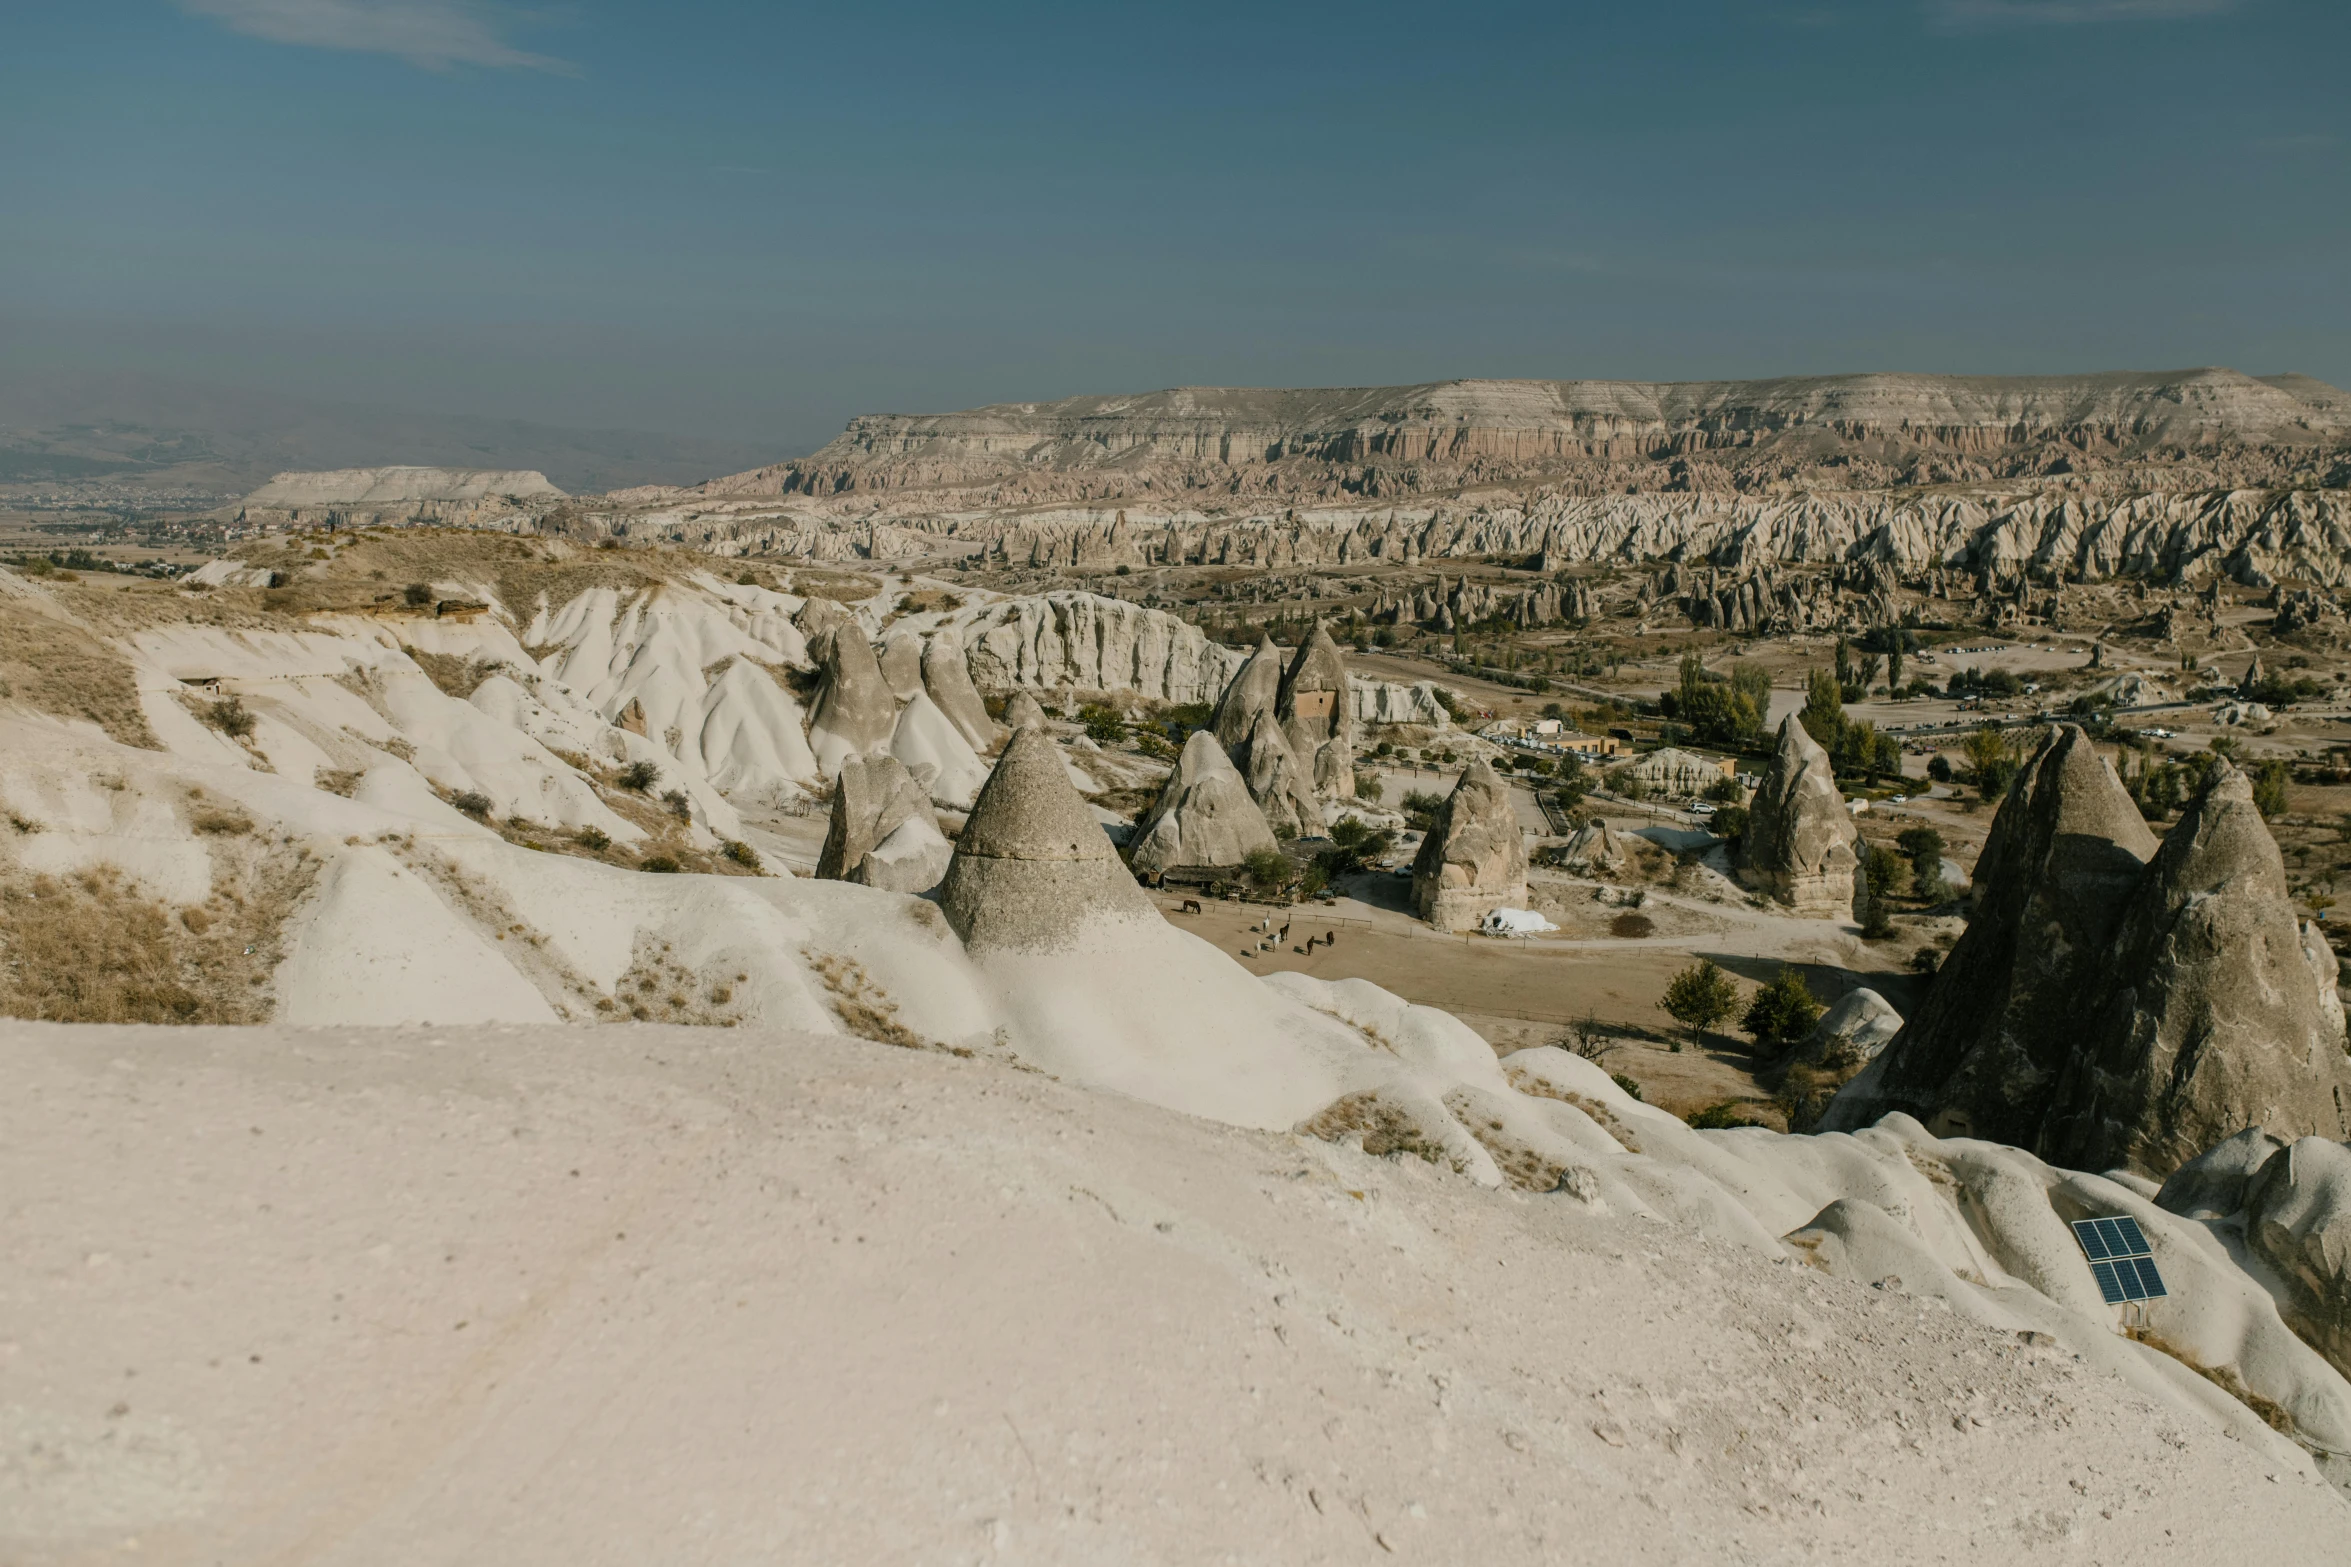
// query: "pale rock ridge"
[[388, 486], [1862, 1022], [855, 712], [1674, 771], [2006, 1009], [946, 676], [1033, 870], [882, 833], [1594, 847], [2213, 1021], [1317, 714], [1472, 859], [1799, 842], [1091, 643], [1203, 817]]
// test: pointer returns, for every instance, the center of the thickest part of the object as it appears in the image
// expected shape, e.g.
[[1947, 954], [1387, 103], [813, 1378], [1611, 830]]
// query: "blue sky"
[[755, 220]]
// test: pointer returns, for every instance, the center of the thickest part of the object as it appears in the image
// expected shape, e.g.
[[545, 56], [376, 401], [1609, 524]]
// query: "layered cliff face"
[[1697, 435]]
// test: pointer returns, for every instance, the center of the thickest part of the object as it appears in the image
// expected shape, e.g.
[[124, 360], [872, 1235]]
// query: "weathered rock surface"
[[1022, 710], [2212, 1021], [1982, 1052], [1675, 772], [1318, 715], [1255, 689], [1859, 1026], [2326, 973], [1092, 643], [1033, 870], [2212, 1185], [1277, 780], [855, 712], [1473, 859], [2297, 1218], [946, 675], [1594, 848], [901, 665], [1799, 846], [882, 832], [1203, 817]]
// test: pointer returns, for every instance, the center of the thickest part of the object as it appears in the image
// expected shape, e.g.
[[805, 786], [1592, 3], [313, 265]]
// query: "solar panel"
[[2121, 1261]]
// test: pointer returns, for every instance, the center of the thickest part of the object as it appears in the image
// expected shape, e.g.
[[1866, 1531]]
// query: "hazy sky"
[[753, 220]]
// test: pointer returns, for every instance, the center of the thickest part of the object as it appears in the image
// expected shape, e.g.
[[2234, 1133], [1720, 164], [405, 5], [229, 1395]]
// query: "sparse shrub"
[[661, 865], [1632, 1089], [1632, 926], [1421, 808], [230, 717], [1104, 725], [1589, 1040], [472, 802], [679, 806], [1730, 822], [416, 595], [225, 824], [592, 838], [1720, 1117], [640, 776], [742, 854]]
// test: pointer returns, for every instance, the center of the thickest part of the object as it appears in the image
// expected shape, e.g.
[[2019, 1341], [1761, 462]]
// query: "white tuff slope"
[[569, 1296]]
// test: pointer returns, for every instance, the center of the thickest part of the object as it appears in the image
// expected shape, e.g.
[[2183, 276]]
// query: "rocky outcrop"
[[1204, 817], [1983, 1051], [1857, 1029], [855, 712], [947, 677], [882, 833], [2326, 973], [2297, 1218], [1033, 870], [1022, 710], [901, 665], [1255, 689], [1674, 772], [1277, 780], [2115, 1004], [394, 486], [1799, 846], [1090, 643], [2212, 1020], [1595, 849], [1473, 859], [1318, 715]]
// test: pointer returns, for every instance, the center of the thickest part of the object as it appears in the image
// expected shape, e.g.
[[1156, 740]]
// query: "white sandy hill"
[[575, 1296]]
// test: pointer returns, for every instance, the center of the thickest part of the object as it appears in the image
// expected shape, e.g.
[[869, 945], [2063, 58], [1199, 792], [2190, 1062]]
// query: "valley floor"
[[648, 1294]]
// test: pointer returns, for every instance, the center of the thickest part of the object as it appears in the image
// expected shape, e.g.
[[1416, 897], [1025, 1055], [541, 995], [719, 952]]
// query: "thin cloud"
[[434, 34], [2062, 13]]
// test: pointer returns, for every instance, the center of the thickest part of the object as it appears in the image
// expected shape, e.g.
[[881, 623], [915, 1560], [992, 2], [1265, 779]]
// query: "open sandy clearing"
[[653, 1294]]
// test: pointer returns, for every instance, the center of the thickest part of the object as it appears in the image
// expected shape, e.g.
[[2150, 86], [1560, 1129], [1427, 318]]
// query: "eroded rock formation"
[[1033, 870], [1318, 716], [1473, 859], [855, 712], [946, 675], [882, 833], [1277, 780], [2112, 1002], [1799, 846], [1203, 817]]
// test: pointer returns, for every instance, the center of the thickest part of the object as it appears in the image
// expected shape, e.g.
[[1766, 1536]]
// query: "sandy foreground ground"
[[662, 1295]]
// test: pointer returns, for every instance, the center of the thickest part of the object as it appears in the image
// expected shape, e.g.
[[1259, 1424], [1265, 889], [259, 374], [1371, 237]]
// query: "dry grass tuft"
[[1384, 1127], [94, 948], [863, 1007], [54, 666]]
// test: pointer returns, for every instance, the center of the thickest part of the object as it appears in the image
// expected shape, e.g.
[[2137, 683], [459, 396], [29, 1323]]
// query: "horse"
[[1191, 906]]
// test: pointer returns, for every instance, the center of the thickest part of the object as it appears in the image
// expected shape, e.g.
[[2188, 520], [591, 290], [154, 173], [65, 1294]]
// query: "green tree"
[[2269, 785], [1991, 759], [1894, 666], [1268, 869], [1781, 1012], [1881, 869], [1824, 710], [1699, 997]]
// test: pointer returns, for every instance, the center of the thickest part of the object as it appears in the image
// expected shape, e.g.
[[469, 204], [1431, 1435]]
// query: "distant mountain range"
[[1217, 445], [137, 432]]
